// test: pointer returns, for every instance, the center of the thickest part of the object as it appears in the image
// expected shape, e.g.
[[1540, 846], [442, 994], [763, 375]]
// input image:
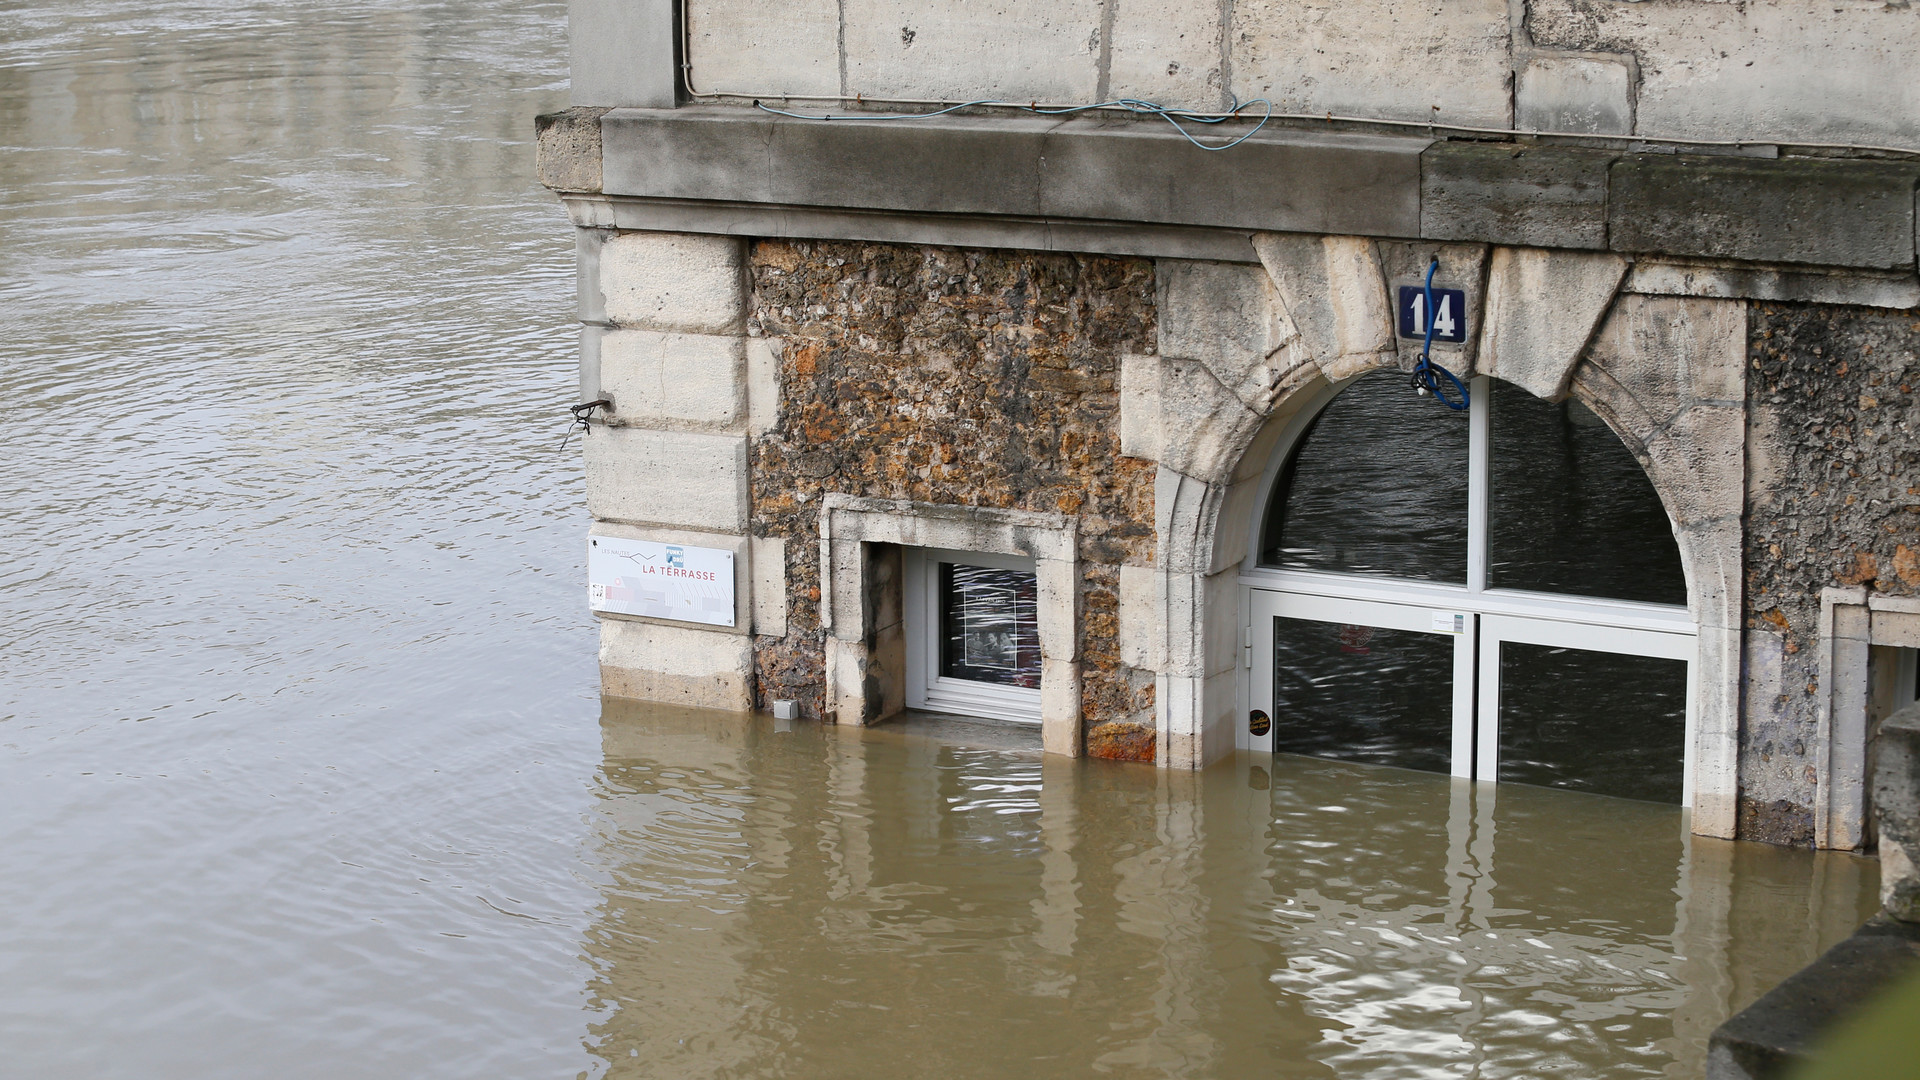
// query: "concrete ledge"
[[1088, 168], [1136, 187], [1773, 1036], [900, 227], [1828, 213]]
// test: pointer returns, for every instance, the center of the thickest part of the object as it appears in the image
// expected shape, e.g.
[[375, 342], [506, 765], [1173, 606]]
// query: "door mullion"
[[1479, 437], [1463, 697], [1486, 764]]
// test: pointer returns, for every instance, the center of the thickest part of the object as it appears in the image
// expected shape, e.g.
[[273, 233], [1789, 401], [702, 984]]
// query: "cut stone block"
[[706, 669], [673, 380], [1542, 308], [1588, 94], [650, 477], [674, 281]]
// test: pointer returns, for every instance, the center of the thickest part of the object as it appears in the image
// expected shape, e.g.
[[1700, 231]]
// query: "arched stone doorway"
[[1248, 356], [1494, 593]]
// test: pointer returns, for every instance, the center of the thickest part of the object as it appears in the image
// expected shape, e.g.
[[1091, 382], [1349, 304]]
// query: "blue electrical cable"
[[1134, 105], [1425, 381]]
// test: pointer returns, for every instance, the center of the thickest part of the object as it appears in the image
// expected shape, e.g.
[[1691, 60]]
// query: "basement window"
[[972, 634]]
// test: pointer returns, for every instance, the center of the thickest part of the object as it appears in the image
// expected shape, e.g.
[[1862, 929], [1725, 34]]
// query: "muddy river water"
[[302, 768]]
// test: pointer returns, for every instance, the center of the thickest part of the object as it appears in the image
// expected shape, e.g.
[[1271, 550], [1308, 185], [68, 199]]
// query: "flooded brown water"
[[302, 771]]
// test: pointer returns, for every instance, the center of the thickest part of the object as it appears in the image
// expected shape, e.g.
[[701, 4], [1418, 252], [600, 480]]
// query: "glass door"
[[1493, 592], [1602, 709], [1381, 684]]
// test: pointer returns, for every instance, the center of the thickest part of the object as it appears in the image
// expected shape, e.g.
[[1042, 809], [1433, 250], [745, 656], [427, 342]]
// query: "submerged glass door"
[[1493, 592], [1381, 684], [1602, 709]]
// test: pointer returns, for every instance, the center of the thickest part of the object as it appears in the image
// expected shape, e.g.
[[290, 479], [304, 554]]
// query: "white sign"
[[1446, 622], [663, 581]]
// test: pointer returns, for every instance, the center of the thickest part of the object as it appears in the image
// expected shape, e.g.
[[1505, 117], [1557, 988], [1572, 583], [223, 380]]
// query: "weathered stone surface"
[[1091, 168], [684, 665], [1542, 308], [1203, 425], [1121, 740], [1140, 406], [622, 52], [1830, 213], [689, 381], [1833, 452], [951, 50], [769, 558], [1767, 70], [1228, 316], [764, 48], [958, 378], [1699, 277], [1060, 725], [1169, 53], [1896, 797], [674, 282], [1375, 58], [1776, 1036], [1463, 267], [1336, 297], [648, 477], [1142, 599], [567, 149], [1505, 193], [763, 385], [1589, 94]]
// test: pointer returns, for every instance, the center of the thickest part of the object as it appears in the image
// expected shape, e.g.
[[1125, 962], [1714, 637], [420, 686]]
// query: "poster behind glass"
[[988, 628]]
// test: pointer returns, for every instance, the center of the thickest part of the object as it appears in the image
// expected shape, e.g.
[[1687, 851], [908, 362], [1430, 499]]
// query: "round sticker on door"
[[1258, 724]]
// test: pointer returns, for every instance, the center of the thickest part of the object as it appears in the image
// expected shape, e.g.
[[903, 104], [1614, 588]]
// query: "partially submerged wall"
[[1833, 481], [1765, 70], [956, 377]]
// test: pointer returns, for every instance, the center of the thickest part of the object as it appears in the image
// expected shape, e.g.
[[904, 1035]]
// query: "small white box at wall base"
[[786, 710]]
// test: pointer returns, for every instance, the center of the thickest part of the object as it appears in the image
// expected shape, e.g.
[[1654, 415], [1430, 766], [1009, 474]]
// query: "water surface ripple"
[[301, 768]]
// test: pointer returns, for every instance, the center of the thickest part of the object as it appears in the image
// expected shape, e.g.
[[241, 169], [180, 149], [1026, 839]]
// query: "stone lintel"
[[1089, 168], [1515, 194], [1135, 186], [1788, 210]]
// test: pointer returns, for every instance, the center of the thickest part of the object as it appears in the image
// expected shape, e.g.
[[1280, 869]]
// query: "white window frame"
[[927, 689], [1601, 625]]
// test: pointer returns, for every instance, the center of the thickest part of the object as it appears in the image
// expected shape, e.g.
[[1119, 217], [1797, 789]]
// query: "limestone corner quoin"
[[1081, 339]]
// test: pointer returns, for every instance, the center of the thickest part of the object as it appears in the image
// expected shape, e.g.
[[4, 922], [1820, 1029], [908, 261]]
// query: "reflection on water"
[[825, 902]]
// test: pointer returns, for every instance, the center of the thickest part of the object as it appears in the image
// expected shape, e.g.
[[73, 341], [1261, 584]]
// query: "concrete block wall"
[[1767, 70], [664, 339]]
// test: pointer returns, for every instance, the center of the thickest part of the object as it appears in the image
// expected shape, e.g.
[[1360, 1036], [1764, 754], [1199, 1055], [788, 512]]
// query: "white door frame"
[[1268, 605], [1496, 630]]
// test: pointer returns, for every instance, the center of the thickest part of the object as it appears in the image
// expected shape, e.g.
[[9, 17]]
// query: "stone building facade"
[[1082, 342]]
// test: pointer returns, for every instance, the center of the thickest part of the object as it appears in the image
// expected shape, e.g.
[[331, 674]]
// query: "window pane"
[[988, 629], [1378, 486], [1570, 510], [1593, 721], [1362, 693]]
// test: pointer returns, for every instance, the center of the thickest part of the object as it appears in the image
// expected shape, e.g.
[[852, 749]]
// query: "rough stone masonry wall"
[[982, 378], [1833, 399]]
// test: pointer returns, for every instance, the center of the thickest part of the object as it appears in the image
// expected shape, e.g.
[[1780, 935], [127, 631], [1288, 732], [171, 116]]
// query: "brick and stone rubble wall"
[[969, 377], [1833, 478]]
